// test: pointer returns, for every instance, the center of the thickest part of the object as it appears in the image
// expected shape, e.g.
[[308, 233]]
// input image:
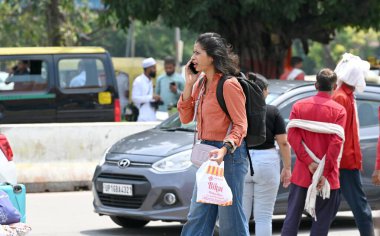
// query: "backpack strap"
[[222, 104], [219, 94]]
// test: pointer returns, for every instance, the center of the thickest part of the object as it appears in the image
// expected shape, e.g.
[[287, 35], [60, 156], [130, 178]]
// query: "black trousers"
[[352, 191], [325, 211]]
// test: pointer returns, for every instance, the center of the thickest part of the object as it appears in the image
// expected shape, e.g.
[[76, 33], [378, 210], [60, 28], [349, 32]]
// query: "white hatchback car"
[[8, 171]]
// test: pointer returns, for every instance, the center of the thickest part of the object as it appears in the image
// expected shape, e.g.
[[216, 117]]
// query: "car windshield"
[[271, 97], [174, 123]]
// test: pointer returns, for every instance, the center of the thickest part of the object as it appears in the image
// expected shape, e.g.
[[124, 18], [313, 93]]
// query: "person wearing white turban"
[[351, 72], [142, 91]]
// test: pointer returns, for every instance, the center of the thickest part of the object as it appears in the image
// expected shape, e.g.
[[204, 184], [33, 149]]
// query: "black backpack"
[[255, 107]]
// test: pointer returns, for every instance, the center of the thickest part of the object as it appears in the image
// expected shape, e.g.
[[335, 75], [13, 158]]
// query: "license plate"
[[118, 189]]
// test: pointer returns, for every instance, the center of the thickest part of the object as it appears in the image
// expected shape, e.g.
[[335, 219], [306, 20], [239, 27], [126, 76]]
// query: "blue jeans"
[[260, 190], [202, 217], [352, 191]]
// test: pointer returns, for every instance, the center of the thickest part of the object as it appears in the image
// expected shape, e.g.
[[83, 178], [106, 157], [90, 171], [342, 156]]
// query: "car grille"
[[133, 164], [121, 176], [133, 202], [120, 201]]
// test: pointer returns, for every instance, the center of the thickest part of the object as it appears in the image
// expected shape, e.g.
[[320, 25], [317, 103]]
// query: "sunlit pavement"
[[71, 214]]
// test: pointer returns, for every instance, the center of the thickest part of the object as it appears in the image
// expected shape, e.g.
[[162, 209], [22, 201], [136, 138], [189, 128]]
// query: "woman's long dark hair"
[[225, 61]]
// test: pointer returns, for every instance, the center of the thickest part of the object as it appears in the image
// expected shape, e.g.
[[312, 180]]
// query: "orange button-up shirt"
[[352, 155], [212, 122]]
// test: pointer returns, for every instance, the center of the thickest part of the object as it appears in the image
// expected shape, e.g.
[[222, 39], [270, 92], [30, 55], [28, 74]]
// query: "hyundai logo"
[[124, 163]]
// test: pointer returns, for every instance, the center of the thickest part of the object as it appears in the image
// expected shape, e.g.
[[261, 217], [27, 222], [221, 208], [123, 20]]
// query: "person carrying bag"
[[214, 57]]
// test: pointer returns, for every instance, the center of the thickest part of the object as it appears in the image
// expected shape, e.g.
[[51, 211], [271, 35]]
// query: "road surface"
[[71, 214]]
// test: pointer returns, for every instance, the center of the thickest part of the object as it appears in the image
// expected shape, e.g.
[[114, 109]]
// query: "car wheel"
[[129, 223]]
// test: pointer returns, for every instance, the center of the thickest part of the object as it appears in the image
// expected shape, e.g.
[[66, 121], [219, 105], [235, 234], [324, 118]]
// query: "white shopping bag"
[[212, 187]]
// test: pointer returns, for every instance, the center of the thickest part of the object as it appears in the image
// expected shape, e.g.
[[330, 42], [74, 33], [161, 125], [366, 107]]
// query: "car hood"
[[154, 142]]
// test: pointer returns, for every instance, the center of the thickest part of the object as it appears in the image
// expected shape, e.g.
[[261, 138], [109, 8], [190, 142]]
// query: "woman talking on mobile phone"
[[213, 56]]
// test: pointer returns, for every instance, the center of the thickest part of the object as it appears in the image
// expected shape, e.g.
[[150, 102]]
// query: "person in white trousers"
[[260, 190]]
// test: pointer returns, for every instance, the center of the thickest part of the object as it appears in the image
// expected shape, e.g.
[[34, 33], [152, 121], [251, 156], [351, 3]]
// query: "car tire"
[[129, 223]]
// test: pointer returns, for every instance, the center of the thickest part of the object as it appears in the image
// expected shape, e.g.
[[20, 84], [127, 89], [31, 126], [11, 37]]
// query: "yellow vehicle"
[[57, 84], [133, 67]]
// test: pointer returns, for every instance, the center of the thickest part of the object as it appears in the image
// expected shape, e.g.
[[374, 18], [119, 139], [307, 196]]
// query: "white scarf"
[[324, 128], [294, 73]]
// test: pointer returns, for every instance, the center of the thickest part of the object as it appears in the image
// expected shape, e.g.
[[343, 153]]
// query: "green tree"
[[261, 31], [153, 39], [364, 43], [44, 22], [73, 23]]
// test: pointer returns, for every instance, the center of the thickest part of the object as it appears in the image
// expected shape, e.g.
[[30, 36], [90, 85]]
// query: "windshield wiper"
[[177, 129]]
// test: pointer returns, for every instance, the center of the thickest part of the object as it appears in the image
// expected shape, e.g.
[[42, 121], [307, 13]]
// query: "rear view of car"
[[8, 172]]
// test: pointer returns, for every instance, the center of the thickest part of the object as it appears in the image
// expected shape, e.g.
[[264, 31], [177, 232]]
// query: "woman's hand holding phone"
[[191, 77], [190, 80]]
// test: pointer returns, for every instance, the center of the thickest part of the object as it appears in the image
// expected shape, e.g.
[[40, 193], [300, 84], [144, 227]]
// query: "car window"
[[81, 73], [286, 106], [368, 112], [271, 97], [23, 75]]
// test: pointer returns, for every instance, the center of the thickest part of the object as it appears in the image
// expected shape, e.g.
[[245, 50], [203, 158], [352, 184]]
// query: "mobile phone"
[[192, 68]]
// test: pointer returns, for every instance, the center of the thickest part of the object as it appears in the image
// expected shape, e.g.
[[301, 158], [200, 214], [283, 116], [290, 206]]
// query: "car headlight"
[[103, 160], [177, 162]]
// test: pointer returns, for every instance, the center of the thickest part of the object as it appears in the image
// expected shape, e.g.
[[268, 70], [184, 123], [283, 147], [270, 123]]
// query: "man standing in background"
[[122, 80], [142, 92], [376, 176], [296, 73], [351, 71], [169, 86], [376, 172]]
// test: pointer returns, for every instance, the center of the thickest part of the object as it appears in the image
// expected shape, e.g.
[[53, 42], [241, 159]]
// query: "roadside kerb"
[[63, 156]]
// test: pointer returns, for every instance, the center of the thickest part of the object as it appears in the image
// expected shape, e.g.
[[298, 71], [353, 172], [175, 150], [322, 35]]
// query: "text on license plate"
[[119, 189]]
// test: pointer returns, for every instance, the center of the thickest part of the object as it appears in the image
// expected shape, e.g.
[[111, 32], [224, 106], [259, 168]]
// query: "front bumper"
[[149, 187]]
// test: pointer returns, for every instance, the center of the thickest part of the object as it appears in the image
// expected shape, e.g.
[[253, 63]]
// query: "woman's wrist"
[[186, 94], [228, 147], [224, 150]]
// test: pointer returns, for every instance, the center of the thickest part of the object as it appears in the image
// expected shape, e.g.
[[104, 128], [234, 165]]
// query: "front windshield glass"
[[173, 122], [271, 97]]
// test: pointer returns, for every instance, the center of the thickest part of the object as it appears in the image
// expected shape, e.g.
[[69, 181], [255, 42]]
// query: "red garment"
[[378, 148], [4, 146], [323, 109], [378, 154], [212, 122], [285, 75], [352, 155]]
